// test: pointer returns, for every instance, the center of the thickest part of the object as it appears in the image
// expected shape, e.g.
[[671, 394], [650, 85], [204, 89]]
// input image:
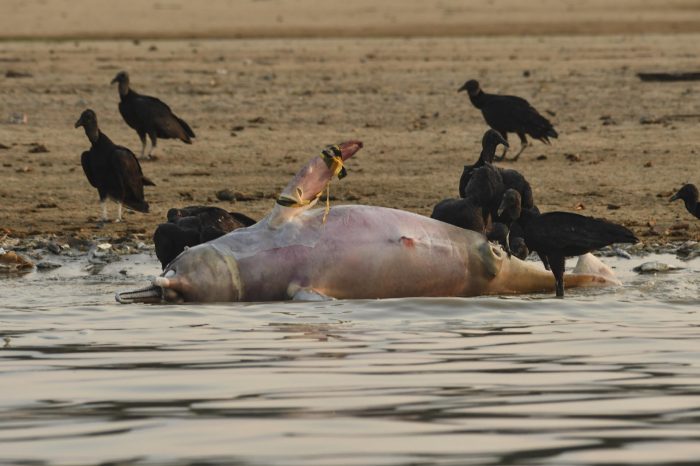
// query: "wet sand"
[[262, 107]]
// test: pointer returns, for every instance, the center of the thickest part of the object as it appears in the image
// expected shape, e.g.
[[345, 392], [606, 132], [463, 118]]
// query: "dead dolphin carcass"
[[348, 252]]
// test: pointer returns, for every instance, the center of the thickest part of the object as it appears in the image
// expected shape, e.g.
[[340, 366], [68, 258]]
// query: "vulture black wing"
[[162, 119], [573, 234], [170, 240], [515, 114], [243, 219], [127, 171], [88, 169]]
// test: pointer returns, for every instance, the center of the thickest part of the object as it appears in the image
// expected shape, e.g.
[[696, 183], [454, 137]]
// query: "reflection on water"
[[604, 377]]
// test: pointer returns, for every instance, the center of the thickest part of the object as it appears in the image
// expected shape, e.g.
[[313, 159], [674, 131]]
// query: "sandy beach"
[[267, 84]]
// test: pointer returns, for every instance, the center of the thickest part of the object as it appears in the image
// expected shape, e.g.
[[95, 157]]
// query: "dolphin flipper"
[[309, 294]]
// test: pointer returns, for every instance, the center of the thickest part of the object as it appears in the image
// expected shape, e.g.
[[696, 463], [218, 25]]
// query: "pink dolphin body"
[[353, 252]]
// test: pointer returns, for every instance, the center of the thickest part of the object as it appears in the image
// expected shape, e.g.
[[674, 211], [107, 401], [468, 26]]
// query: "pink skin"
[[314, 176], [359, 252], [308, 183]]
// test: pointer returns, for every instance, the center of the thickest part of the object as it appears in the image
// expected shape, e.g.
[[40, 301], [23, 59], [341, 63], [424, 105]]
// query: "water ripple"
[[601, 378]]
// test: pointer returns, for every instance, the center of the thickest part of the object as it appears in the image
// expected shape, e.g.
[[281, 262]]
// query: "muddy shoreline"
[[50, 252], [261, 108]]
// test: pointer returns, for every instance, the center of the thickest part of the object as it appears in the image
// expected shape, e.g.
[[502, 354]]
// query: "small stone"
[[240, 196], [17, 74], [622, 253], [679, 226], [655, 267], [651, 121], [38, 149], [607, 120], [226, 195], [47, 265]]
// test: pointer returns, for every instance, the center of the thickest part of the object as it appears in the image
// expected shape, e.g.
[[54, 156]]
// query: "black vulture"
[[510, 114], [194, 225], [499, 233], [485, 189], [112, 169], [512, 179], [508, 212], [518, 247], [474, 210], [489, 142], [558, 235], [488, 184], [212, 216], [689, 194], [504, 229], [149, 116], [494, 184], [460, 212]]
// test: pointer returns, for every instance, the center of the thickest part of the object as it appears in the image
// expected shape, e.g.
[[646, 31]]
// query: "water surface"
[[604, 377]]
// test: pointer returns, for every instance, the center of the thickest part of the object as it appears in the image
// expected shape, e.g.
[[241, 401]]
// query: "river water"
[[604, 377]]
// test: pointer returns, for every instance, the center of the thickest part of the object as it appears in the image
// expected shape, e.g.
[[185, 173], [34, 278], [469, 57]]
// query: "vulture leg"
[[557, 263], [142, 136], [103, 205], [119, 212], [154, 140], [523, 145]]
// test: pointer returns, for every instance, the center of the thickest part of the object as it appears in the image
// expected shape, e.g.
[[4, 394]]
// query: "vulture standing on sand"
[[149, 116], [558, 235], [510, 114], [112, 169], [689, 194], [194, 225]]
